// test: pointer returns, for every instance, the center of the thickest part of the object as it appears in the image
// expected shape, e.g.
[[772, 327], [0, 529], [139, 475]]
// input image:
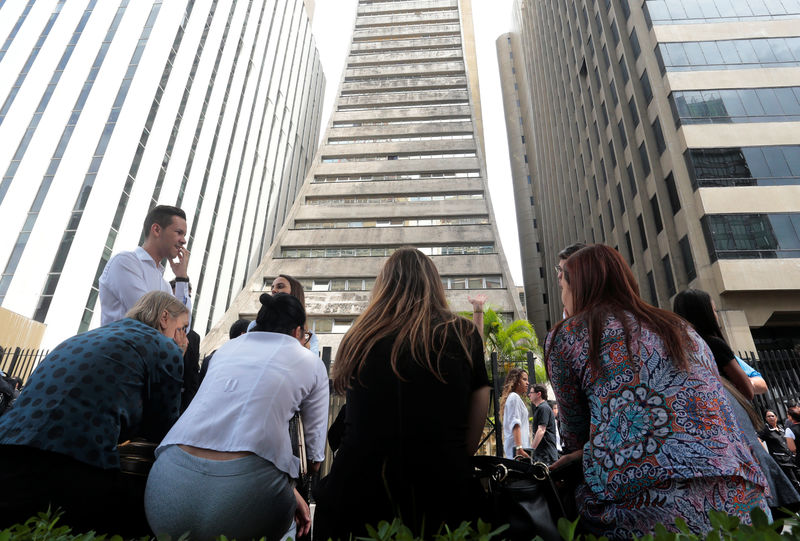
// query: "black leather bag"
[[527, 497]]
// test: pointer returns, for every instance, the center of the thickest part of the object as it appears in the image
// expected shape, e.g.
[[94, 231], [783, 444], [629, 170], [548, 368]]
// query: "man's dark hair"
[[238, 328], [571, 249], [795, 415], [161, 215], [539, 388]]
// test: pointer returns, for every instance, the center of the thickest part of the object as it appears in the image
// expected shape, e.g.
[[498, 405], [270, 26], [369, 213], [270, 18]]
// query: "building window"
[[637, 50], [623, 137], [630, 247], [687, 11], [651, 283], [634, 112], [626, 9], [656, 214], [688, 260], [382, 251], [624, 69], [645, 160], [631, 178], [620, 198], [737, 105], [745, 166], [730, 54], [612, 154], [672, 191], [661, 145], [752, 236], [668, 275], [646, 89], [614, 32], [611, 215], [614, 96], [642, 232]]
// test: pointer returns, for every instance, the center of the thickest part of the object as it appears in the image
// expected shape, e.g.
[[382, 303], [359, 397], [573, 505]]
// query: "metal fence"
[[781, 370], [20, 362]]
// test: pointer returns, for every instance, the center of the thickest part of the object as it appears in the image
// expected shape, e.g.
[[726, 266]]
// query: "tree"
[[512, 341]]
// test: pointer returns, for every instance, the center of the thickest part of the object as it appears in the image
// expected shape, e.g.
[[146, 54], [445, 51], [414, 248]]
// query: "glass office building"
[[669, 129]]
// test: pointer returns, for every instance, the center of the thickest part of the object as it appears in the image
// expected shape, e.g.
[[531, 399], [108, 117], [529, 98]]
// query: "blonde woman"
[[417, 396], [516, 432], [94, 390]]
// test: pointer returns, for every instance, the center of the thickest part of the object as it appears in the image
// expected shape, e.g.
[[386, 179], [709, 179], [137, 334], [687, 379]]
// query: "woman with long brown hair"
[[417, 397], [642, 404], [516, 432]]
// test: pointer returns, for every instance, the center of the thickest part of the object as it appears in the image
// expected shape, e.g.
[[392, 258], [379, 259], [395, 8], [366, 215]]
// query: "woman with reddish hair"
[[642, 405]]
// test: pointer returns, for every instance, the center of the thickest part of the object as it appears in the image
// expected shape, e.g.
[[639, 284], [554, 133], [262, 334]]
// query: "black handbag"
[[526, 496]]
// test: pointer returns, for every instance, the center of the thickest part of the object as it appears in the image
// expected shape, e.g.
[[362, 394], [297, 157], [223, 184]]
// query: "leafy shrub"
[[45, 527]]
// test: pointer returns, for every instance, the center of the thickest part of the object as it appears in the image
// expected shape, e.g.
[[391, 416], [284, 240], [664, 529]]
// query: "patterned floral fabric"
[[655, 439]]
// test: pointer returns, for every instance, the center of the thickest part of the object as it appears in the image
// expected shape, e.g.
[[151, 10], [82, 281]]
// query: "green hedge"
[[46, 527]]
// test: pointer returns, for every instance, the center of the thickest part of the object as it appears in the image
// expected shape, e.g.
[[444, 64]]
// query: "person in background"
[[516, 430], [129, 275], [237, 329], [554, 407], [563, 255], [792, 433], [790, 406], [226, 467], [93, 391], [696, 307], [191, 362], [758, 381], [417, 398], [477, 302], [544, 426], [284, 283], [773, 436], [642, 405]]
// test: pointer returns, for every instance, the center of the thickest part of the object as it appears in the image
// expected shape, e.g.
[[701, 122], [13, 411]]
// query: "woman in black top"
[[773, 434], [417, 397], [696, 307]]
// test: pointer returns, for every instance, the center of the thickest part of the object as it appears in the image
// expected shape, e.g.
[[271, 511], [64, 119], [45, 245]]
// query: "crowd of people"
[[653, 403]]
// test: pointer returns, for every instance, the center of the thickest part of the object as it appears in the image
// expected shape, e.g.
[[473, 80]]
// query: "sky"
[[332, 27]]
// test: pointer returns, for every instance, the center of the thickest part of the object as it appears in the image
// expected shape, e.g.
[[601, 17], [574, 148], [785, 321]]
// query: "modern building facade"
[[401, 164], [109, 108], [671, 131]]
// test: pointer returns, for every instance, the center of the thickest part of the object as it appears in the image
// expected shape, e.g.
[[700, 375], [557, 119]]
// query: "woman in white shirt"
[[226, 466], [516, 431]]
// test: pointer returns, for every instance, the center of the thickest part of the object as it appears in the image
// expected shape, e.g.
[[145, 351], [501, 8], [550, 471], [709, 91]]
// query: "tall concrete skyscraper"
[[670, 130], [401, 164], [109, 108]]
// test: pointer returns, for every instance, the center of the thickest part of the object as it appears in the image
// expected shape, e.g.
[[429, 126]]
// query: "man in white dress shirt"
[[129, 275]]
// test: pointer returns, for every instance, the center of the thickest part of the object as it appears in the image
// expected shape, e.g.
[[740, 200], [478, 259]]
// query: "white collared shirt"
[[253, 388], [515, 413], [128, 276]]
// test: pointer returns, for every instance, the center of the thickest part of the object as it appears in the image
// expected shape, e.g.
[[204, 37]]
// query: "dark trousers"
[[91, 498]]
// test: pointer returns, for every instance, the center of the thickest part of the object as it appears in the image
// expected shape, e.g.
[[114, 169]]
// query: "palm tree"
[[512, 341]]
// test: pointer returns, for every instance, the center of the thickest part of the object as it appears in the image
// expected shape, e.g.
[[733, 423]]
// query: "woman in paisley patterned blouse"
[[642, 405]]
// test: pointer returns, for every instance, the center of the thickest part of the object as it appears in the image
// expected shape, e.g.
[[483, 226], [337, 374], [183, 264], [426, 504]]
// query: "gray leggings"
[[244, 498]]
